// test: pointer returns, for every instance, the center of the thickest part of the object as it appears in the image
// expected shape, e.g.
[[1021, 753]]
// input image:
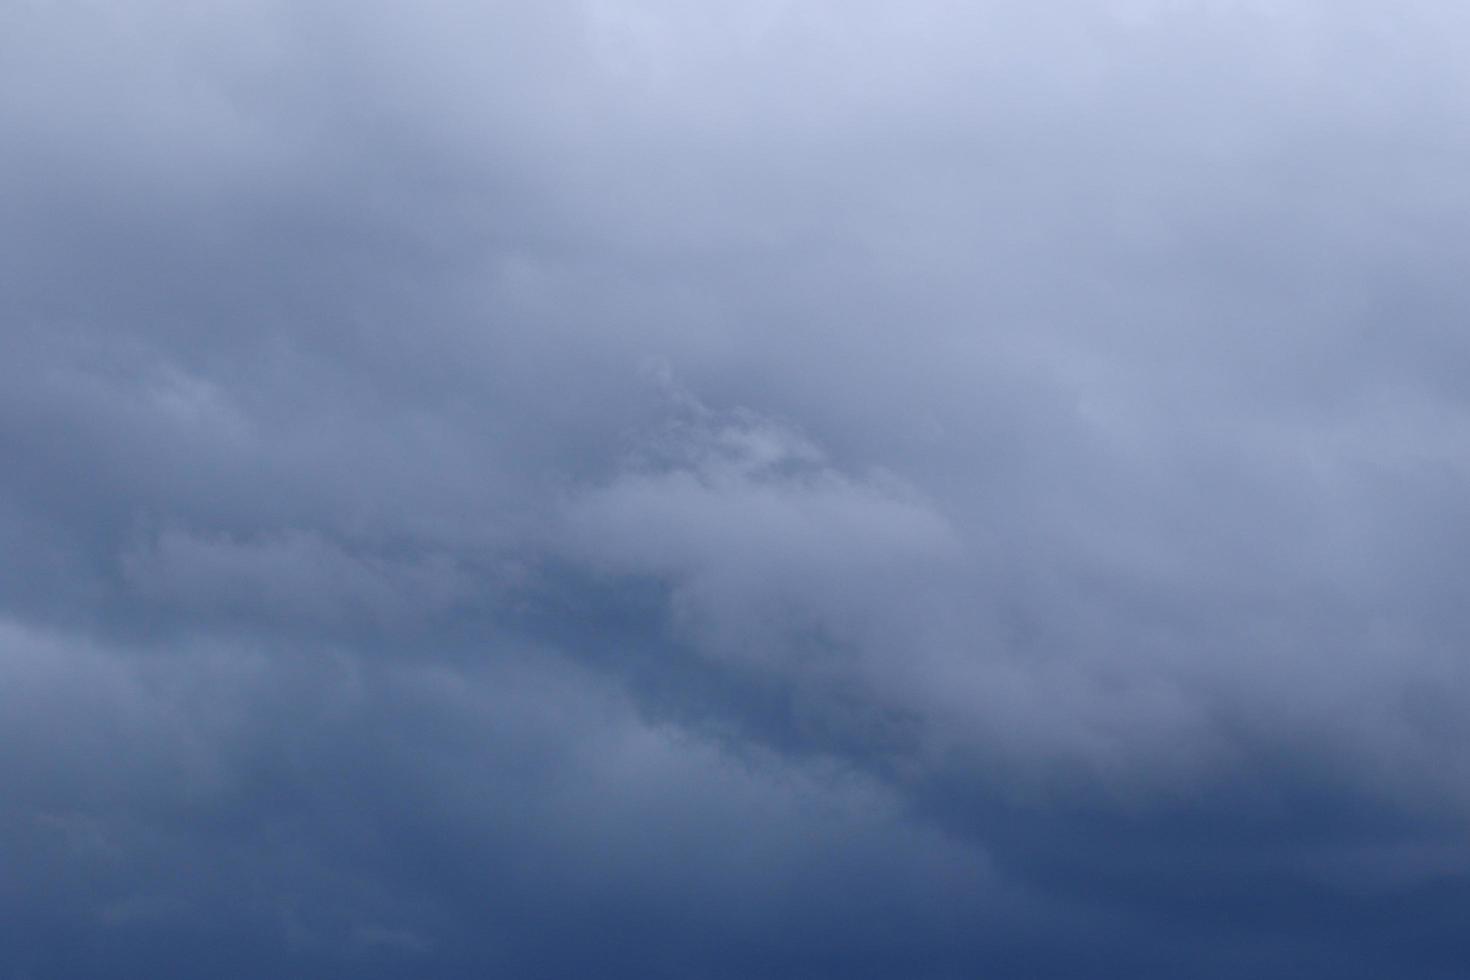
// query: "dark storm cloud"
[[783, 489]]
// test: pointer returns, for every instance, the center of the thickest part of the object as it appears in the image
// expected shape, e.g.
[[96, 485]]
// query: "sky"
[[786, 489]]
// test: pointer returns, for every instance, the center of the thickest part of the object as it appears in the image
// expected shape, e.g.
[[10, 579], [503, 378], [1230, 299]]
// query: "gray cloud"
[[778, 489]]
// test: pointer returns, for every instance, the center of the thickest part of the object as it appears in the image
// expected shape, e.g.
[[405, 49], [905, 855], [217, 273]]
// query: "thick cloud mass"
[[767, 489]]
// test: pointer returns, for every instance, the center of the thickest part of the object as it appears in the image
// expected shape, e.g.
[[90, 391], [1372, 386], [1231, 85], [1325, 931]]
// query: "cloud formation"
[[772, 489]]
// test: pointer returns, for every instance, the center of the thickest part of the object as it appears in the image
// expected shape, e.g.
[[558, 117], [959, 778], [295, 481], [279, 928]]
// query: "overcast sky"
[[769, 489]]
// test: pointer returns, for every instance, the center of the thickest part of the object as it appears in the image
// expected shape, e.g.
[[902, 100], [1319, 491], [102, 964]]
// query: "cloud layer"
[[773, 489]]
